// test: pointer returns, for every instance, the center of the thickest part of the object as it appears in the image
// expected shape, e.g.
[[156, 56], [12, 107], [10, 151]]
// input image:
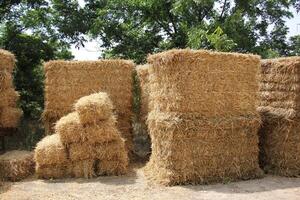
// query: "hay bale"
[[280, 145], [206, 82], [84, 168], [5, 80], [54, 171], [143, 74], [94, 108], [203, 122], [70, 129], [279, 107], [16, 165], [7, 60], [67, 81], [9, 98], [279, 87], [111, 168], [114, 150], [50, 151], [190, 148], [10, 117]]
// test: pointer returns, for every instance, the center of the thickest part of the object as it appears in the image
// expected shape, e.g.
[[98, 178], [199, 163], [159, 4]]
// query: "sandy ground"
[[134, 186]]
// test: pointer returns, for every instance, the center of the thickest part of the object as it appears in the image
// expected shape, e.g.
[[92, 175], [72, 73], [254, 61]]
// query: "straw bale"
[[279, 87], [70, 129], [10, 117], [9, 98], [111, 168], [190, 148], [84, 169], [108, 151], [280, 145], [206, 82], [5, 80], [143, 74], [7, 60], [50, 151], [54, 171], [16, 165], [94, 107], [67, 81], [102, 132]]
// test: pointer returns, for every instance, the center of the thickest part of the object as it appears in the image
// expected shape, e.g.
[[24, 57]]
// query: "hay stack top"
[[86, 65], [7, 60], [94, 107], [206, 82]]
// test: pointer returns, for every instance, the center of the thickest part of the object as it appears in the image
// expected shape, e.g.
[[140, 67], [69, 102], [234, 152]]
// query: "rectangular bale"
[[16, 165], [7, 60], [280, 145], [67, 81], [10, 117], [206, 82], [279, 87], [189, 148]]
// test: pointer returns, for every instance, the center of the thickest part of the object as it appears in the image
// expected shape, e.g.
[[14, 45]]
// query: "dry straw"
[[5, 80], [210, 83], [94, 108], [67, 81], [16, 165], [7, 61], [9, 98], [279, 107], [203, 122], [10, 117], [50, 151]]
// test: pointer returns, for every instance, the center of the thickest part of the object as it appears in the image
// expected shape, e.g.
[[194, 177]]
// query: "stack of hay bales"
[[16, 165], [203, 122], [87, 142], [67, 81], [279, 107], [9, 113]]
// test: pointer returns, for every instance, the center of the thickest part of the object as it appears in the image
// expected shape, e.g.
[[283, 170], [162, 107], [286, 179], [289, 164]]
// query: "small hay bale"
[[190, 148], [16, 165], [54, 171], [84, 169], [279, 107], [50, 151], [111, 168], [94, 108], [67, 81], [211, 83], [109, 150], [9, 98], [102, 132], [7, 60], [70, 129], [10, 117]]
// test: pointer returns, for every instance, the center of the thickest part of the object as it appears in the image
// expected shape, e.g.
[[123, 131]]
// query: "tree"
[[135, 28]]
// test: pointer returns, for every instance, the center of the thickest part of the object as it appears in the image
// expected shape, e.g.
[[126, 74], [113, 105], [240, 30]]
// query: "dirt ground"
[[134, 186]]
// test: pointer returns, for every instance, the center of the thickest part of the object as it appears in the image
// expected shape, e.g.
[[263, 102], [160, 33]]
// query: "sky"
[[91, 51]]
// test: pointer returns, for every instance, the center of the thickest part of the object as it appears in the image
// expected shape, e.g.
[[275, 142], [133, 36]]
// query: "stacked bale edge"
[[203, 122], [279, 107], [67, 81], [9, 113], [86, 142]]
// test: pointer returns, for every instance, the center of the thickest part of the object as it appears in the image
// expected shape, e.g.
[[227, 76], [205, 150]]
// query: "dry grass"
[[10, 117], [94, 108], [279, 107], [203, 122], [16, 165], [67, 81], [7, 60]]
